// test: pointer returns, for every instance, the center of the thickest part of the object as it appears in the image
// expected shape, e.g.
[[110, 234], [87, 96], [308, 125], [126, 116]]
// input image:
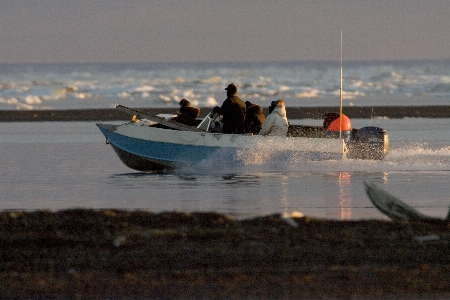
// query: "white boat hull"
[[147, 148]]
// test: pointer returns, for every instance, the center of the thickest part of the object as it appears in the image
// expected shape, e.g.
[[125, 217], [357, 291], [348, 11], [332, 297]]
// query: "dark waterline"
[[293, 113]]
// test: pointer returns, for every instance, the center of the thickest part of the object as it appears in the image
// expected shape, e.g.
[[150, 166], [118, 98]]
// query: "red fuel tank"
[[332, 120]]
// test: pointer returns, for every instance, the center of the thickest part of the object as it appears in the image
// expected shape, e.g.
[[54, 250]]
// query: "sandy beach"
[[292, 112], [79, 254]]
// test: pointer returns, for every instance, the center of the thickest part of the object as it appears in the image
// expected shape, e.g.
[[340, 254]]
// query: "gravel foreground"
[[111, 254]]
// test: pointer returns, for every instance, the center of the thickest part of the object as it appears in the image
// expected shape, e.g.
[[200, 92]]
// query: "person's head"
[[274, 104], [231, 89], [184, 103], [279, 102]]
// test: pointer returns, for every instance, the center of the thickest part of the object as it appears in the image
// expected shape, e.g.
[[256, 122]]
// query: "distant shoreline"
[[360, 112]]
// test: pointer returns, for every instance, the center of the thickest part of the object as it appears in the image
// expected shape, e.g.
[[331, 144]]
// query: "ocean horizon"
[[35, 86]]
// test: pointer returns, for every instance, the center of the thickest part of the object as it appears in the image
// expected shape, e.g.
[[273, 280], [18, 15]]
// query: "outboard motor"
[[332, 125], [369, 143], [364, 143]]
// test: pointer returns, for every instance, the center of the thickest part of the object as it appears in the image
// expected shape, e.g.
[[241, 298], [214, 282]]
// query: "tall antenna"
[[344, 148], [340, 98]]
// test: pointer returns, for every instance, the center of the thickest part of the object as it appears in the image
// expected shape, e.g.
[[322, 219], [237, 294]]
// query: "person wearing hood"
[[188, 113], [254, 118], [233, 111], [276, 123]]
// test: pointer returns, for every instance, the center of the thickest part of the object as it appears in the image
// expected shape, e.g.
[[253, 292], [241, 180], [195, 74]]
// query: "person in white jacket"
[[276, 122]]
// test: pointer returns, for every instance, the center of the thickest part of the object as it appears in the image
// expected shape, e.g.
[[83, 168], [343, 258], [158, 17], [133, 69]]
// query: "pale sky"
[[221, 31]]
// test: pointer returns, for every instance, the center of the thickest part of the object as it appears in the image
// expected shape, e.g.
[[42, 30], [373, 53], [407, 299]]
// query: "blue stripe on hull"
[[168, 153]]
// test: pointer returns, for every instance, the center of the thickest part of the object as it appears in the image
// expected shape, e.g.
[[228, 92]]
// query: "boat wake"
[[419, 158], [407, 158]]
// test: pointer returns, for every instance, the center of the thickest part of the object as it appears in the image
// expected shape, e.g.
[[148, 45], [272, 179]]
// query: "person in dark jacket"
[[188, 113], [233, 111], [254, 118]]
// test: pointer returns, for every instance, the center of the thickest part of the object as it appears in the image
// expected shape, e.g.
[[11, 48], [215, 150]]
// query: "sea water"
[[62, 165], [57, 165], [81, 86]]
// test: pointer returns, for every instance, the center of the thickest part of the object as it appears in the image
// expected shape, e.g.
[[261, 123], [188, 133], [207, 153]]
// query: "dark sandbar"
[[292, 112]]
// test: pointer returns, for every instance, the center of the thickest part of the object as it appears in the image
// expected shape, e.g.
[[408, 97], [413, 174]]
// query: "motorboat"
[[156, 143]]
